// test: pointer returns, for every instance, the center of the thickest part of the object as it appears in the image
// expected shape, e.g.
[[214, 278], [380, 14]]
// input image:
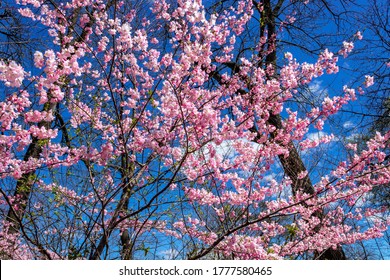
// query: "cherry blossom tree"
[[138, 134]]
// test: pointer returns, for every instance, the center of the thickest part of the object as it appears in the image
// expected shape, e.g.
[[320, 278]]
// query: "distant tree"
[[16, 40]]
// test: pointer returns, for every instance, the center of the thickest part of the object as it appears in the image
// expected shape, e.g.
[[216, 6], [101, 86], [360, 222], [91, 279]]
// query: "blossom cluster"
[[133, 124]]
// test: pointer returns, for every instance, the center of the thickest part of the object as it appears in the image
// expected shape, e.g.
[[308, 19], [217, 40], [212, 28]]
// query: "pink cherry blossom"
[[369, 81], [123, 136], [11, 73]]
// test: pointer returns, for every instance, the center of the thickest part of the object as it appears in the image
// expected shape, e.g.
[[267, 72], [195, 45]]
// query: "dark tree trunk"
[[293, 164]]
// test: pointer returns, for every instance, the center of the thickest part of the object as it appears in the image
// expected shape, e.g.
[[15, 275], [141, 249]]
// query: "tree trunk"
[[25, 183], [293, 164]]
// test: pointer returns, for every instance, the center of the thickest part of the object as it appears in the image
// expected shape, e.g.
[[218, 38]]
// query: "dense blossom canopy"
[[132, 135]]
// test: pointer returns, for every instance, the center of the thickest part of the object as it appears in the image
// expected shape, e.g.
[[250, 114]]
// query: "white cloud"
[[361, 202], [269, 177], [169, 254], [316, 136], [348, 124], [319, 91], [353, 137], [226, 149], [315, 92]]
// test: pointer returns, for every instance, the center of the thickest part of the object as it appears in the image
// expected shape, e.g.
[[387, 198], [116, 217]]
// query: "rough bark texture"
[[25, 184], [293, 164]]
